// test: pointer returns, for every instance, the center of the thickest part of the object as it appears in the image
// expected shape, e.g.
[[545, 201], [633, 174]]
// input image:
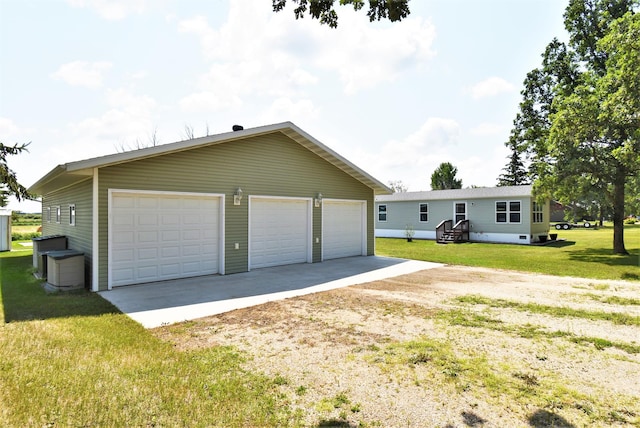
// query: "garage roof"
[[73, 172]]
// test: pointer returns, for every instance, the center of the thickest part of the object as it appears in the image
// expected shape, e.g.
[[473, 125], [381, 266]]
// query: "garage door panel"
[[148, 202], [122, 274], [147, 254], [343, 229], [147, 237], [163, 237], [145, 272], [123, 237], [279, 232]]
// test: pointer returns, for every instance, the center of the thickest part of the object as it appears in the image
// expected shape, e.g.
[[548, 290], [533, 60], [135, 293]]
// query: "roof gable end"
[[63, 175]]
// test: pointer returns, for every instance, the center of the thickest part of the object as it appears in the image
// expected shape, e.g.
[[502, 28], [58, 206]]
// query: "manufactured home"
[[221, 204], [507, 214]]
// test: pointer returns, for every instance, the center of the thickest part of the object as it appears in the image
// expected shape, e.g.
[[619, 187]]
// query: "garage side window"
[[72, 215], [56, 214], [382, 213], [508, 212], [424, 213], [47, 214], [538, 216]]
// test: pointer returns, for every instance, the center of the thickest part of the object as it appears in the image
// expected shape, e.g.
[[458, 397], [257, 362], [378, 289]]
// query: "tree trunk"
[[601, 215], [618, 211]]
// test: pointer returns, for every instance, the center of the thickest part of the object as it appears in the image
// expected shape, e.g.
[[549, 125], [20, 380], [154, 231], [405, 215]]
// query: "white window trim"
[[47, 214], [72, 214], [420, 212], [385, 213], [539, 210], [508, 212], [466, 211], [58, 214]]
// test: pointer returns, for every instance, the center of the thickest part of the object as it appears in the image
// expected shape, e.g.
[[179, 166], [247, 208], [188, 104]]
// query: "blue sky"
[[85, 78]]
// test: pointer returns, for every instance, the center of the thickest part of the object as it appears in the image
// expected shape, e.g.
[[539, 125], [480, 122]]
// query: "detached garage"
[[220, 204]]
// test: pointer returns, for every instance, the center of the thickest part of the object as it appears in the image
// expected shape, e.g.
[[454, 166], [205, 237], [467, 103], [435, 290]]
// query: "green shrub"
[[25, 236]]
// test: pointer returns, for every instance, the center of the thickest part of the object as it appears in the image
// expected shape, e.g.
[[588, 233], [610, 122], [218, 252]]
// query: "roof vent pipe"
[[237, 128]]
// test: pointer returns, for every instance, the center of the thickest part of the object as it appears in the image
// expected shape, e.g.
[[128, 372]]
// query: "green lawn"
[[74, 360], [583, 253]]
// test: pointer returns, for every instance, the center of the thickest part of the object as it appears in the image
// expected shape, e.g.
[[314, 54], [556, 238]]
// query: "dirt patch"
[[451, 346]]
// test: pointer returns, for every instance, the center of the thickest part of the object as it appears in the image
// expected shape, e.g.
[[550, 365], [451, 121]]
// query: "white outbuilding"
[[5, 229]]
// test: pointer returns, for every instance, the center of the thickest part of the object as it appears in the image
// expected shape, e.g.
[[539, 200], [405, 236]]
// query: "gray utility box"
[[41, 246], [65, 269]]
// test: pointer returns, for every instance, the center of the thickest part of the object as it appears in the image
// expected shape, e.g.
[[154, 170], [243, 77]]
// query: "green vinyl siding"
[[267, 165], [79, 235]]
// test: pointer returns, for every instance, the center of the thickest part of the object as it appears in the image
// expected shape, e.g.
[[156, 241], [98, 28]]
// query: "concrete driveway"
[[168, 302]]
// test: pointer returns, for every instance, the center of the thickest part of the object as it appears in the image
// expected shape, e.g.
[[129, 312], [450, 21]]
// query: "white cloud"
[[209, 101], [264, 54], [128, 119], [488, 129], [285, 109], [139, 75], [371, 54], [413, 158], [482, 170], [112, 10], [491, 87], [8, 130], [83, 73]]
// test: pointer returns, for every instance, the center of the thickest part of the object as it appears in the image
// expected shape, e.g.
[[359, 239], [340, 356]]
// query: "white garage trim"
[[95, 234], [280, 231], [344, 228], [219, 249]]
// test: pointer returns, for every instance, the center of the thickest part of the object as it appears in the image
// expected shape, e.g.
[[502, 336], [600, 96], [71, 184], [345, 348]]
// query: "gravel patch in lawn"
[[387, 354]]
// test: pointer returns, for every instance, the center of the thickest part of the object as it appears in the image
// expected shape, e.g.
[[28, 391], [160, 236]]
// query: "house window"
[[424, 212], [508, 211], [538, 216], [460, 211], [72, 215], [514, 212], [47, 214], [382, 213], [56, 214]]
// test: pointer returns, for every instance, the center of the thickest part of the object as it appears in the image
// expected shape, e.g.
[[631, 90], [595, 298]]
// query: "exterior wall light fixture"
[[237, 196], [318, 200]]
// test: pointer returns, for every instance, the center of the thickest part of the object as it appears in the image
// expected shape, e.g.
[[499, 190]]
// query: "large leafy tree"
[[325, 12], [579, 118], [8, 181], [444, 177]]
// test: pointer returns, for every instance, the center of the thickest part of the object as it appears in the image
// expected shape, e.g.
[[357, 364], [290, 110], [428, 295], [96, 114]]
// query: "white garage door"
[[156, 237], [279, 232], [343, 229]]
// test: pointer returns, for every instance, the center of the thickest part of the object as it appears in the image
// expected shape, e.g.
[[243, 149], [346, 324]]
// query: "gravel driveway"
[[448, 347]]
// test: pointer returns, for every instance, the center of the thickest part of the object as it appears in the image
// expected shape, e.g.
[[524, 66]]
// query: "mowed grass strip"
[[467, 318], [73, 360], [584, 253], [556, 311]]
